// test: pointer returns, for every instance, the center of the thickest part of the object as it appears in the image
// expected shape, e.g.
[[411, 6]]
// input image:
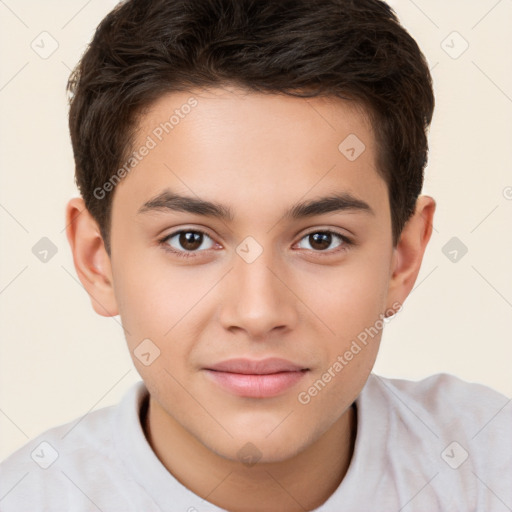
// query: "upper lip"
[[252, 367]]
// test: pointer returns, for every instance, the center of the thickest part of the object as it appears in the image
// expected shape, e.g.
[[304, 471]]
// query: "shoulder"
[[452, 434], [445, 405], [437, 391], [67, 464]]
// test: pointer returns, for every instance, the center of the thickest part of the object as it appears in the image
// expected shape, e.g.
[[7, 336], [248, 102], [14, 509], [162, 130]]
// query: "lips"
[[256, 379], [250, 367]]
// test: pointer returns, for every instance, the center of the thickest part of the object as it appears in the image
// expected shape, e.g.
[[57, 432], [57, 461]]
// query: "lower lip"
[[256, 386]]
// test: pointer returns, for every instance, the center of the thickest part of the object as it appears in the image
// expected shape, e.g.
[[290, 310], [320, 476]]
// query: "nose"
[[257, 298]]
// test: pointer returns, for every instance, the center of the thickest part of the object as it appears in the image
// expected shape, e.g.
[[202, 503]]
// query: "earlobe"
[[408, 254], [91, 260]]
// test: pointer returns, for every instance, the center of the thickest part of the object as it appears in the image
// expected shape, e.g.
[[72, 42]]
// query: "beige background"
[[60, 360]]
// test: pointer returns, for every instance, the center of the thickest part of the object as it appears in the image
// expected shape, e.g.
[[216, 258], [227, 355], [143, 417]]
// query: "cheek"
[[353, 311], [351, 298], [158, 301], [153, 310], [145, 299]]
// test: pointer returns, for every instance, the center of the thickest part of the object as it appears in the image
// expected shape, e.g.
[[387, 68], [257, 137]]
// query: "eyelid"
[[325, 230], [186, 229]]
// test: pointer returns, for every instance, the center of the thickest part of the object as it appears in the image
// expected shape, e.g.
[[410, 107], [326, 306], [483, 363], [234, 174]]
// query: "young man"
[[250, 176]]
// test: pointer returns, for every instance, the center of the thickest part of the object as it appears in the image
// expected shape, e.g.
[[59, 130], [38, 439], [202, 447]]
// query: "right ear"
[[92, 262]]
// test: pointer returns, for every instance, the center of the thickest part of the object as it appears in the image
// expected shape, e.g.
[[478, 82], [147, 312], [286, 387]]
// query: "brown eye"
[[319, 241], [188, 241]]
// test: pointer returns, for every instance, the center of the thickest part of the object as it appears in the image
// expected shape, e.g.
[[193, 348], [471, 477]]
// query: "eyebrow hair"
[[168, 200], [330, 204]]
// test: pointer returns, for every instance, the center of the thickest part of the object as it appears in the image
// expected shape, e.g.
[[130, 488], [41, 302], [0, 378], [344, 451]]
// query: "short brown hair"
[[351, 49]]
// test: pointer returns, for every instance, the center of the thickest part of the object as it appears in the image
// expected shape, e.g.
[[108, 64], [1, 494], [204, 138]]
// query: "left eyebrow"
[[330, 204], [168, 200]]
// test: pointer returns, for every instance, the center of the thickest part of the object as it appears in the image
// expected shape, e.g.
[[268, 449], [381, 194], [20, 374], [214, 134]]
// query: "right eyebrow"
[[168, 200]]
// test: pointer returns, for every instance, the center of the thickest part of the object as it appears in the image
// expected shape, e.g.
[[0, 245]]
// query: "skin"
[[258, 155]]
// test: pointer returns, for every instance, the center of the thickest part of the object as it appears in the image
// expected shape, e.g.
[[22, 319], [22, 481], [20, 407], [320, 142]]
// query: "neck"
[[302, 482]]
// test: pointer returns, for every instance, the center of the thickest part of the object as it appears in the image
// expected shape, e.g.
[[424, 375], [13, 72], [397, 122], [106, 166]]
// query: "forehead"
[[236, 146]]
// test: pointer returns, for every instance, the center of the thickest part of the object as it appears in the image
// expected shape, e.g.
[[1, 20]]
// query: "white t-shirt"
[[437, 444]]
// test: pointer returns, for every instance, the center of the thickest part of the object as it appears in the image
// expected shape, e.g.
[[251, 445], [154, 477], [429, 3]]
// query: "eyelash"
[[347, 243]]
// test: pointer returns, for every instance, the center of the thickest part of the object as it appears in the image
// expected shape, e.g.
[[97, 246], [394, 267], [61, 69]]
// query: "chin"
[[253, 447]]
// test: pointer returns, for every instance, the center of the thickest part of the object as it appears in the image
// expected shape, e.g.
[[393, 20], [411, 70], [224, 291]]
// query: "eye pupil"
[[190, 240], [320, 241]]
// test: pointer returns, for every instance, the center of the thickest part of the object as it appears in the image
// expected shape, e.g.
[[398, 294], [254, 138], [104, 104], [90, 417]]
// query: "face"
[[253, 305]]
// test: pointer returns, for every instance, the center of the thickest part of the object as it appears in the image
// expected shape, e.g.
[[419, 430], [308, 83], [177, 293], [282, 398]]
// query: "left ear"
[[408, 254]]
